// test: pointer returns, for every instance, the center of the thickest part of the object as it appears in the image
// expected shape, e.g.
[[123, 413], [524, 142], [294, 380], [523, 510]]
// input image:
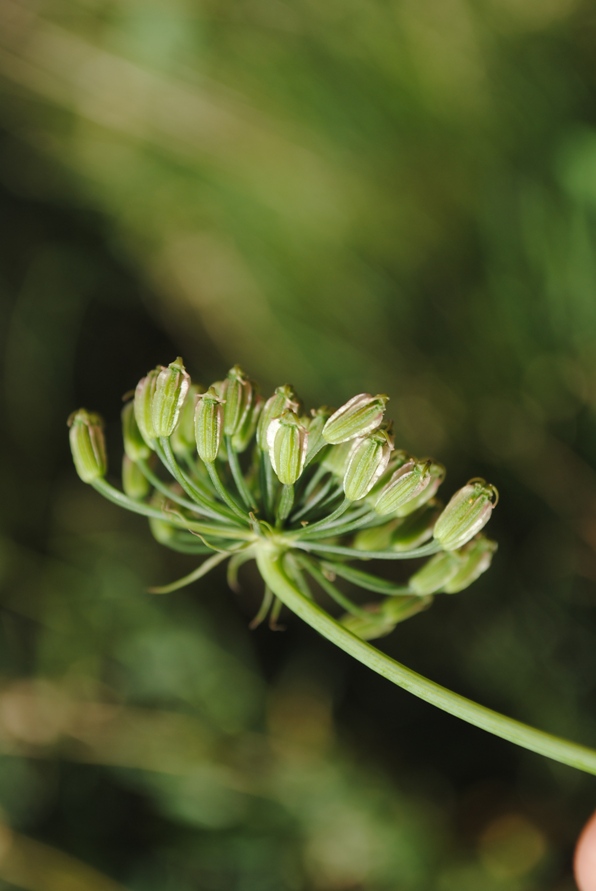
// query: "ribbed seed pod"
[[288, 440], [209, 413], [359, 416], [134, 482], [367, 462], [237, 394], [171, 386], [143, 404], [283, 399], [405, 484], [465, 515], [87, 445], [435, 573], [476, 556], [183, 437], [241, 439], [134, 445]]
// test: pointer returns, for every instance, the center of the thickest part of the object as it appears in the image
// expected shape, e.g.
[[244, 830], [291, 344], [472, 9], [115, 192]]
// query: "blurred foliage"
[[395, 197]]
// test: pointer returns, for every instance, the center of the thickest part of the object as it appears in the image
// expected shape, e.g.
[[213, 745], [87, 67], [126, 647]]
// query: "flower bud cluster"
[[220, 468]]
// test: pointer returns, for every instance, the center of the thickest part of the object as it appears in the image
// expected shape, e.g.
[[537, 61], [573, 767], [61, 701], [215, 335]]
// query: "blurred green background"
[[350, 196]]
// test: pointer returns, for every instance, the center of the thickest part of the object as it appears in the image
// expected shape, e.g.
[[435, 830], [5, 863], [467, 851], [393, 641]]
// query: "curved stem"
[[180, 522], [356, 554], [313, 570], [239, 480], [209, 508], [223, 492], [366, 580], [271, 568]]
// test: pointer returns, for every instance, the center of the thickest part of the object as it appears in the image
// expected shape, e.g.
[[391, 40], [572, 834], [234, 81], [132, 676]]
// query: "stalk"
[[269, 561]]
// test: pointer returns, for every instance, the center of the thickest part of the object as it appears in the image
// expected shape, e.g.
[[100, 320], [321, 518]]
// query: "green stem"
[[328, 522], [270, 566], [310, 502], [286, 501], [138, 507], [266, 479], [357, 554], [354, 521], [366, 580], [239, 480], [313, 570], [211, 508], [163, 487], [224, 494]]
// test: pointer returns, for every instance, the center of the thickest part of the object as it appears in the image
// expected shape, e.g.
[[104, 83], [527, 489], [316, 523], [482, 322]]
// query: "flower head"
[[222, 473]]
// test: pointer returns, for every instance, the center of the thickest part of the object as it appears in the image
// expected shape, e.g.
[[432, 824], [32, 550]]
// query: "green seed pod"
[[134, 482], [477, 556], [134, 445], [359, 416], [209, 414], [398, 459], [241, 439], [368, 459], [288, 440], [369, 627], [171, 386], [238, 395], [397, 609], [435, 573], [143, 403], [283, 399], [436, 475], [315, 424], [183, 437], [465, 515], [162, 531], [87, 445], [377, 538], [405, 484], [417, 528], [335, 458]]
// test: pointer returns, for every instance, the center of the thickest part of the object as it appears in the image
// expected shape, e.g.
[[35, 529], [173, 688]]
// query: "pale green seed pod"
[[288, 440], [134, 482], [398, 459], [87, 445], [171, 386], [466, 514], [417, 528], [209, 416], [162, 531], [369, 627], [238, 395], [315, 424], [359, 416], [134, 445], [283, 399], [143, 405], [376, 538], [436, 475], [335, 458], [405, 484], [476, 556], [368, 459], [183, 437], [242, 438], [436, 573], [398, 609]]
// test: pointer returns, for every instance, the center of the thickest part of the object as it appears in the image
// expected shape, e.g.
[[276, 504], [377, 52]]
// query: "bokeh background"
[[350, 196]]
